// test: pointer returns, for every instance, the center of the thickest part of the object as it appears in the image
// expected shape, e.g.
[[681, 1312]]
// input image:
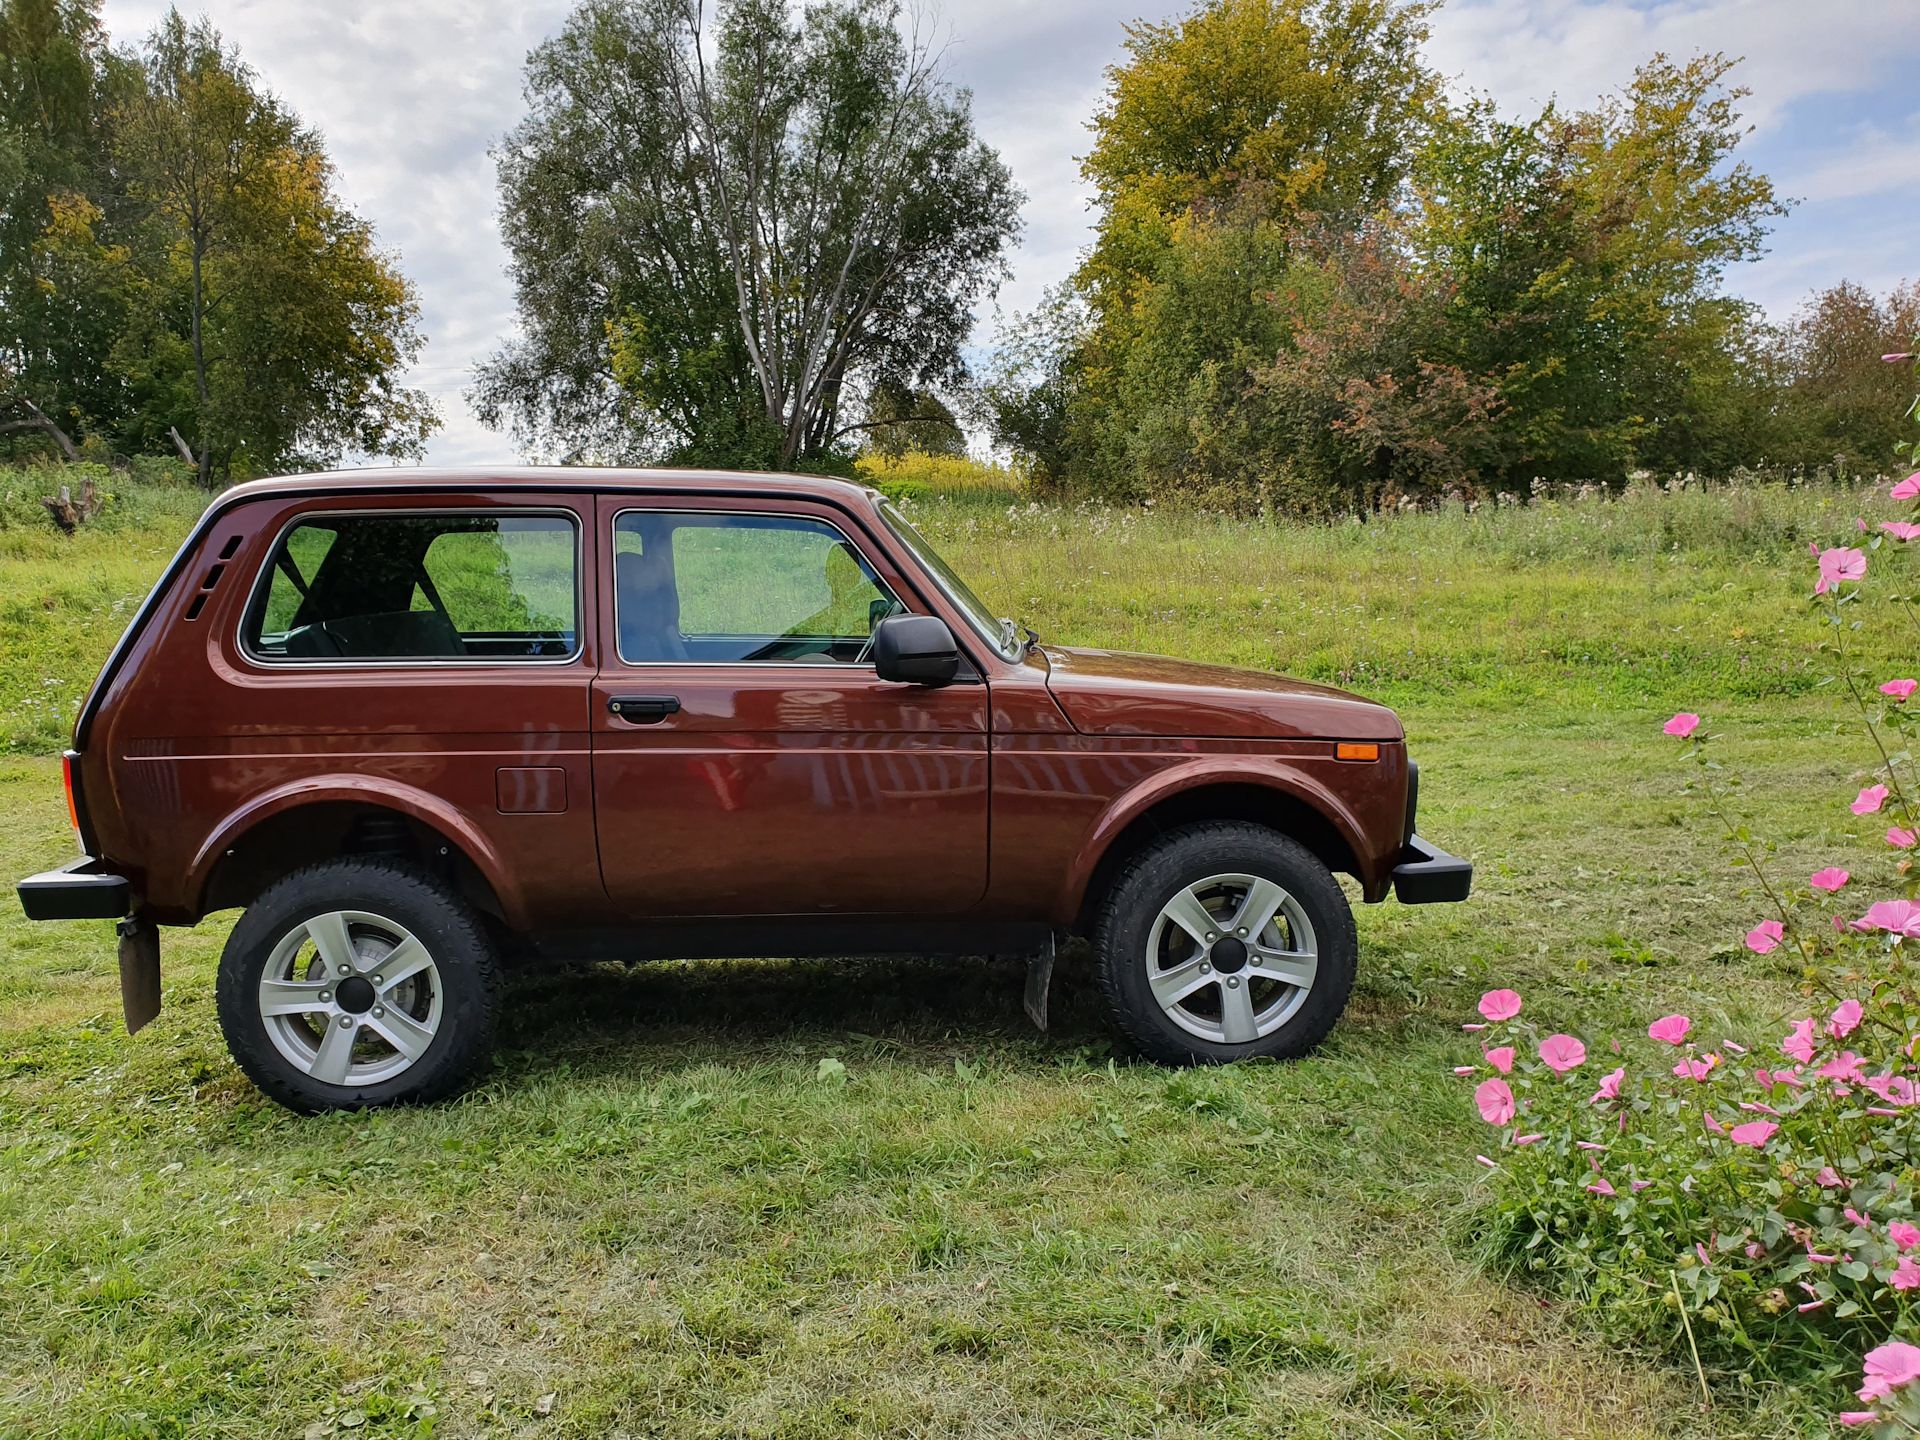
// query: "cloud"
[[410, 97]]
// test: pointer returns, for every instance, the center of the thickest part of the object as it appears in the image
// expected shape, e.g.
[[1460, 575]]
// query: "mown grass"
[[664, 1212]]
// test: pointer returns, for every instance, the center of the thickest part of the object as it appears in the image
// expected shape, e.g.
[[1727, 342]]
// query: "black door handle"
[[644, 709]]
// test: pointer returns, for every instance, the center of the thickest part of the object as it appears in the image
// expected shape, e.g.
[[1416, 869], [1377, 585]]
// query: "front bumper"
[[1427, 875], [80, 891]]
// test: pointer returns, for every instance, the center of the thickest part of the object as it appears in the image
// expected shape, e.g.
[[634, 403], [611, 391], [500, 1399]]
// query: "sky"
[[411, 95]]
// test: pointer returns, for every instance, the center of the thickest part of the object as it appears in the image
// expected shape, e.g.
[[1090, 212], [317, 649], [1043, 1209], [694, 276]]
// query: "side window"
[[697, 587], [419, 587]]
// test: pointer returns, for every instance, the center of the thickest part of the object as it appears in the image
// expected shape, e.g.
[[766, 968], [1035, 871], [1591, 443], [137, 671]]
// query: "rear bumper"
[[80, 891], [1429, 876]]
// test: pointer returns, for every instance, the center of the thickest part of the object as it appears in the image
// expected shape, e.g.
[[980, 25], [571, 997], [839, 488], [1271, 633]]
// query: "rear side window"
[[448, 586]]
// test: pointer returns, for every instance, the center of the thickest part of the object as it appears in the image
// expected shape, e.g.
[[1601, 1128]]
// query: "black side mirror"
[[915, 650]]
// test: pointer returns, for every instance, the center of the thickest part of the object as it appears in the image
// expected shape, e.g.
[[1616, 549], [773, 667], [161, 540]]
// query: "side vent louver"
[[213, 577]]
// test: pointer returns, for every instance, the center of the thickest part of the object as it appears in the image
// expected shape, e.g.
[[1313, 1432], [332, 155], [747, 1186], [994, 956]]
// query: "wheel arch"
[[313, 821], [1281, 799]]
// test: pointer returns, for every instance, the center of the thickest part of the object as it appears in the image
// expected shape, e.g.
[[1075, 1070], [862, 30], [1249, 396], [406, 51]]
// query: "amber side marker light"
[[1346, 751], [66, 778]]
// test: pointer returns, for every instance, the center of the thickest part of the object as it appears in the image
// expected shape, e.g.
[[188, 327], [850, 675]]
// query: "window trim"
[[613, 592], [257, 596]]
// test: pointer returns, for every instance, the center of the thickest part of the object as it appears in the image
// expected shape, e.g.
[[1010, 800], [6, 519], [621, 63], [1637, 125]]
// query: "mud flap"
[[139, 971], [1039, 982]]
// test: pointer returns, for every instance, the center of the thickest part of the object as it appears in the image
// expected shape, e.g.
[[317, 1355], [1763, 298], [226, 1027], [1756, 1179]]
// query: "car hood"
[[1108, 692]]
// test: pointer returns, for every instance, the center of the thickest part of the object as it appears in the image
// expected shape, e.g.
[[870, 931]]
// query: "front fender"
[[360, 790], [1271, 773]]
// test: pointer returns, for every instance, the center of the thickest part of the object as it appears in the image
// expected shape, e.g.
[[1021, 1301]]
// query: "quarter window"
[[419, 587], [695, 587]]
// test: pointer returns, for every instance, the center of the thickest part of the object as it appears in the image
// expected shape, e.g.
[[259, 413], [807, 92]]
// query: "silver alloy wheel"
[[1231, 958], [351, 998]]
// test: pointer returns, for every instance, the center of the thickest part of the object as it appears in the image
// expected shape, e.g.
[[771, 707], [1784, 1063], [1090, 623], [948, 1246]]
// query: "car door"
[[747, 760]]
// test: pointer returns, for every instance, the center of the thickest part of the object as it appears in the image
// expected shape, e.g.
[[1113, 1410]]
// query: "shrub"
[[1765, 1189]]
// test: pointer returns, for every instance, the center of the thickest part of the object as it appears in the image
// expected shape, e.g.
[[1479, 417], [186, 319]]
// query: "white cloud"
[[410, 96]]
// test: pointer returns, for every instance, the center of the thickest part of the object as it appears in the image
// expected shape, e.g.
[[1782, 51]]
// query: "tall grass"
[[1649, 595]]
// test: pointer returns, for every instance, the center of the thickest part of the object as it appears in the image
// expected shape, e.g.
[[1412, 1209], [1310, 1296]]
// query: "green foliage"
[[173, 258], [711, 258]]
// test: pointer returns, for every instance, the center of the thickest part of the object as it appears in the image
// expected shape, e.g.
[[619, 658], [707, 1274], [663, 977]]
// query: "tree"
[[1837, 400], [267, 327], [1586, 252], [720, 233], [60, 291]]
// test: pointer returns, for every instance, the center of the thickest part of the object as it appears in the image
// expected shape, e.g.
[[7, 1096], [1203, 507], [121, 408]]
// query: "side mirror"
[[915, 650]]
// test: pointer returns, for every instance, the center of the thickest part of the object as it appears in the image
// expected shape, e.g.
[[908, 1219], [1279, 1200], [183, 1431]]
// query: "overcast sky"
[[411, 94]]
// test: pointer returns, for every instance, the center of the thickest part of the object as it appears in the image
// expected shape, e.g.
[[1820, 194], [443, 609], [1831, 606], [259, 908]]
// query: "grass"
[[666, 1213]]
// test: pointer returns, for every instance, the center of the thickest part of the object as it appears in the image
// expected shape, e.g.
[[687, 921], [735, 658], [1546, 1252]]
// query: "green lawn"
[[663, 1212]]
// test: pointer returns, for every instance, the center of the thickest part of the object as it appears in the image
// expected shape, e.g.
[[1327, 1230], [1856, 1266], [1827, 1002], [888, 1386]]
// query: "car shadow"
[[972, 1000]]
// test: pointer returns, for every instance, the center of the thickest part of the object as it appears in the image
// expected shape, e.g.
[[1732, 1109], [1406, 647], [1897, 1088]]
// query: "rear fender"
[[449, 821]]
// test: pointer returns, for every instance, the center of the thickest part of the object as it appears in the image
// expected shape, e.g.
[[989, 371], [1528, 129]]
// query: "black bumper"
[[1427, 876], [80, 891]]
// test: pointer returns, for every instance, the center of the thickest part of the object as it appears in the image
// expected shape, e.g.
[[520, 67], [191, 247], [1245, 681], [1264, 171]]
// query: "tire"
[[1185, 1001], [315, 1039]]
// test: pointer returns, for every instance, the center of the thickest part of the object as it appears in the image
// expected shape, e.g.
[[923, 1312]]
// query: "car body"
[[606, 746]]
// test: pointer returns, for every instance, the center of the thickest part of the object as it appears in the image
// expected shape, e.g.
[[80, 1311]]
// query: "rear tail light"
[[1348, 751], [66, 778]]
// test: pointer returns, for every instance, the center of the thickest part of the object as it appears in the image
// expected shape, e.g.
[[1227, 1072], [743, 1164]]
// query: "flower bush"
[[1753, 1199]]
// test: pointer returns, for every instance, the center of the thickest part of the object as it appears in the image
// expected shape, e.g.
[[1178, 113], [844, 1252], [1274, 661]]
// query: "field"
[[773, 1199]]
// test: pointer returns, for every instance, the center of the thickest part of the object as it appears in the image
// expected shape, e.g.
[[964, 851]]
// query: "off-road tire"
[[1151, 880], [463, 952]]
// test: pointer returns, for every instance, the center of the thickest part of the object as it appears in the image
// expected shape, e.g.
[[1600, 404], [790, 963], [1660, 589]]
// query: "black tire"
[[1297, 1017], [452, 1003]]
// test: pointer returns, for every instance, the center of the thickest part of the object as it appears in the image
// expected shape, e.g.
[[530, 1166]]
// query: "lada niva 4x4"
[[419, 725]]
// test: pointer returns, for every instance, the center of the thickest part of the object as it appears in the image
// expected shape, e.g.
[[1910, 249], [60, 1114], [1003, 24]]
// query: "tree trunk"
[[205, 465], [37, 419]]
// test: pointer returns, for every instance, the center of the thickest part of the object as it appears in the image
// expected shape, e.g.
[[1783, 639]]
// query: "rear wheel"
[[357, 983], [1225, 941]]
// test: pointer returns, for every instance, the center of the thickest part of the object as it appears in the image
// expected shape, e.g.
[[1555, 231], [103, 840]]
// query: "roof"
[[553, 477]]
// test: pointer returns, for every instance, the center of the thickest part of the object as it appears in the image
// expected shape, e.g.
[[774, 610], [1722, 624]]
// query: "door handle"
[[643, 709]]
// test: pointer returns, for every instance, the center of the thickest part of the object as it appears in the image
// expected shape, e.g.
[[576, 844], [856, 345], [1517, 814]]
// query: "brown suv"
[[420, 723]]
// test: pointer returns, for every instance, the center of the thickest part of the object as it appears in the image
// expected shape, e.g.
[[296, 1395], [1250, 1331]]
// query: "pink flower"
[[1762, 1108], [1527, 1139], [1789, 1076], [1561, 1053], [1609, 1087], [1486, 1162], [1855, 1216], [1706, 1260], [1870, 799], [1908, 488], [1495, 1101], [1799, 1042], [1765, 936], [1463, 1069], [1901, 689], [1714, 1127], [1641, 1184], [1755, 1250], [1829, 879], [1697, 1070], [1588, 1145], [1903, 1234], [1860, 1417], [1889, 1367], [1498, 1005], [1896, 917], [1828, 1178], [1682, 725], [1901, 529], [1846, 1019], [1473, 1027], [1859, 524], [1671, 1028], [1501, 1059], [1900, 839], [1840, 565], [1601, 1187], [1844, 1066]]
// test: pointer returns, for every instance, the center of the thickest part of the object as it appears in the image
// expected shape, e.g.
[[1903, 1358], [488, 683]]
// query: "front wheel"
[[1225, 941], [358, 983]]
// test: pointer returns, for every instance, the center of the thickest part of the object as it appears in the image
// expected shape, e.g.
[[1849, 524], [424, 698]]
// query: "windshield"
[[1000, 633]]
